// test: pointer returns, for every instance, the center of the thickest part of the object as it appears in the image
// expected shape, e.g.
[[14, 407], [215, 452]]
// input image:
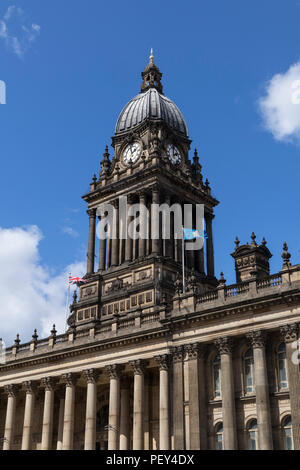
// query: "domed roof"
[[151, 104]]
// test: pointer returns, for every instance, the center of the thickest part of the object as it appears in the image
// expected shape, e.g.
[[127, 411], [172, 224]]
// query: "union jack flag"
[[76, 280]]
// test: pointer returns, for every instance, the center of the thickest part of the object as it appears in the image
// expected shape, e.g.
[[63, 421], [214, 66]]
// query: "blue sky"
[[79, 62]]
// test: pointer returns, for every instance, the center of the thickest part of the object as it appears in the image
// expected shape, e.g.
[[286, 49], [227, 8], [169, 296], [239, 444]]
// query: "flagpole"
[[183, 263], [68, 301]]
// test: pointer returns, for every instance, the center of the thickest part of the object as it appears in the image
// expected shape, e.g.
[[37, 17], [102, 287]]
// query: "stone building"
[[146, 364]]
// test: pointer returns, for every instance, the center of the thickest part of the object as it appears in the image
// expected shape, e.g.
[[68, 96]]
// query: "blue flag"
[[191, 234]]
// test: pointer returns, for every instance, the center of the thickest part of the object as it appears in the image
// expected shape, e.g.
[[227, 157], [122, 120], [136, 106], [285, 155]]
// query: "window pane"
[[248, 375], [217, 388], [219, 442], [252, 436]]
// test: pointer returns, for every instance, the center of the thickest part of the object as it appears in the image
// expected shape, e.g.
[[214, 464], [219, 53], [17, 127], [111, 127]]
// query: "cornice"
[[165, 330]]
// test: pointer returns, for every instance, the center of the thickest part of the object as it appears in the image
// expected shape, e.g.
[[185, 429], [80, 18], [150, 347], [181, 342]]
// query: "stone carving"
[[138, 366], [178, 353], [70, 379], [11, 390], [289, 333], [91, 375], [49, 383], [195, 350], [114, 371], [224, 345], [29, 386], [257, 339], [163, 361]]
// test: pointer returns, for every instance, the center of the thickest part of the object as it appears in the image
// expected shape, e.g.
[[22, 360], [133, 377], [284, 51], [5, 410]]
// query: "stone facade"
[[144, 363]]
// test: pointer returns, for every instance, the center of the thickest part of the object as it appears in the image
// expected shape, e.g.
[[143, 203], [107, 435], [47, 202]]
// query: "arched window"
[[217, 376], [252, 435], [249, 371], [287, 433], [219, 436], [281, 359]]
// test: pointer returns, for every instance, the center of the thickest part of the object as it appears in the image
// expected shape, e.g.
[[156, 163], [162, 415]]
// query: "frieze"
[[88, 291]]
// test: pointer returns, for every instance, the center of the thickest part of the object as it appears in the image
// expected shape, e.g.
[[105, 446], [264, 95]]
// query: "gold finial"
[[151, 57]]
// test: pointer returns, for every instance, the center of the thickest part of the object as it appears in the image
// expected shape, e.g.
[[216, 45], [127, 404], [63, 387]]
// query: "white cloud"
[[9, 12], [31, 294], [280, 106], [24, 33], [70, 231], [3, 29]]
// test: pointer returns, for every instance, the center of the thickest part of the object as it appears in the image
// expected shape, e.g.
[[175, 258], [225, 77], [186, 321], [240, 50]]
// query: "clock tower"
[[150, 166]]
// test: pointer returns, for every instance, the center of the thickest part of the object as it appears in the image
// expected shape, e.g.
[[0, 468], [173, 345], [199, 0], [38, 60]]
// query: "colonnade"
[[114, 251], [126, 426]]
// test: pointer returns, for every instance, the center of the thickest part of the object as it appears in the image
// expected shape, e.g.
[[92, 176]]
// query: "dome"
[[151, 105]]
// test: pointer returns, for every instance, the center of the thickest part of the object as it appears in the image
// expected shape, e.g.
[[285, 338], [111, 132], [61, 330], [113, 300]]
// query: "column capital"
[[29, 386], [138, 366], [115, 203], [70, 379], [178, 353], [114, 371], [257, 339], [91, 213], [155, 188], [91, 375], [289, 333], [142, 194], [130, 198], [163, 361], [11, 390], [224, 345], [195, 350], [49, 383]]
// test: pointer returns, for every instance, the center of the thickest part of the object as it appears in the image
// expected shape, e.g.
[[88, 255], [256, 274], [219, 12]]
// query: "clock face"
[[173, 154], [132, 153]]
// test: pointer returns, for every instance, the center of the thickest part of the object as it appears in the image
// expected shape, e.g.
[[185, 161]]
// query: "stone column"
[[61, 412], [224, 346], [167, 246], [289, 334], [209, 245], [148, 241], [91, 247], [143, 226], [9, 430], [47, 431], [69, 412], [125, 416], [138, 404], [102, 252], [164, 425], [178, 398], [30, 388], [91, 377], [115, 234], [257, 341], [129, 240], [156, 243], [108, 248], [114, 406], [197, 396], [146, 412]]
